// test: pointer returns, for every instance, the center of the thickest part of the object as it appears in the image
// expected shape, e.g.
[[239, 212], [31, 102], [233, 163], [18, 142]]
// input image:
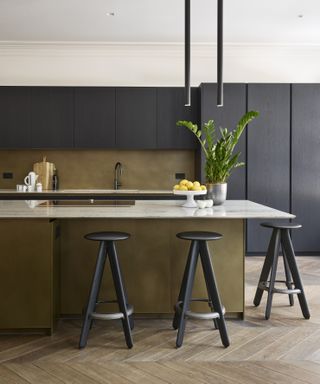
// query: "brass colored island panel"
[[144, 260], [152, 262], [29, 270]]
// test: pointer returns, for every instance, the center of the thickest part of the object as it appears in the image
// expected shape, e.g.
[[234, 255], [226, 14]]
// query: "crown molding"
[[143, 49]]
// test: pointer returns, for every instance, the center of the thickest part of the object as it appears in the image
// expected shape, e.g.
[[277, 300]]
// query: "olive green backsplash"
[[147, 169]]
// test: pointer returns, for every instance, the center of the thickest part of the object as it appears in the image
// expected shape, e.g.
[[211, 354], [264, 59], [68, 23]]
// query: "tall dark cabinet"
[[170, 109], [95, 117], [268, 156], [52, 117], [136, 111], [15, 117], [306, 166], [227, 116]]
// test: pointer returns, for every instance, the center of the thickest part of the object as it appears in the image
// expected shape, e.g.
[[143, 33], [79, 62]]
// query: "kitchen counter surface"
[[143, 209], [140, 194]]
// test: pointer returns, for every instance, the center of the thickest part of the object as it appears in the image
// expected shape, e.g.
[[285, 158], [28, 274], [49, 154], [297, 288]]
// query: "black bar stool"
[[198, 247], [107, 248], [281, 236]]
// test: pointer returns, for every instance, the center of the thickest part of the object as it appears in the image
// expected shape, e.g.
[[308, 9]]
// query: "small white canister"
[[39, 187]]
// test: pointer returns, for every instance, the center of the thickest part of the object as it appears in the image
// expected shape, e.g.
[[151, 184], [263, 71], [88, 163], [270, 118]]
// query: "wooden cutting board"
[[45, 171]]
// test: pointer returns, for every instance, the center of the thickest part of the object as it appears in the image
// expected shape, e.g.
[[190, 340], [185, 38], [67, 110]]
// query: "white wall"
[[152, 64]]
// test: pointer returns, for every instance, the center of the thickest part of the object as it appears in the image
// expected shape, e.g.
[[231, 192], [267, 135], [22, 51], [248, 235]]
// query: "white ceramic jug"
[[31, 180]]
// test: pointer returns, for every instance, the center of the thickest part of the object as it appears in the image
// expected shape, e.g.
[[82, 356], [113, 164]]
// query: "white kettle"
[[30, 181]]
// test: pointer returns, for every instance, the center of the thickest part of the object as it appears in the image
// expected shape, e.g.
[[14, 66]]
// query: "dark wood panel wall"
[[282, 154], [96, 117], [15, 117], [51, 117], [95, 120], [228, 116], [268, 155], [306, 166]]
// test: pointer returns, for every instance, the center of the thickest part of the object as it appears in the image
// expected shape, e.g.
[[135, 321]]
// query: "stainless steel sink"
[[87, 203]]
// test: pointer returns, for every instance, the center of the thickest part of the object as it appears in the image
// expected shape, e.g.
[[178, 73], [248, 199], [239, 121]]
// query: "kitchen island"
[[46, 262]]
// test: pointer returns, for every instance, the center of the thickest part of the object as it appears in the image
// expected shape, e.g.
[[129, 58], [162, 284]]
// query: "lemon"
[[196, 184], [184, 182], [195, 188], [183, 188], [176, 187], [189, 185], [203, 187]]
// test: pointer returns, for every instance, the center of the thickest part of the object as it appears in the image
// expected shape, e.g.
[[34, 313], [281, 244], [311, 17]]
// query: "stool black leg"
[[131, 320], [215, 322], [265, 269], [99, 287], [213, 291], [193, 255], [287, 243], [273, 274], [288, 275], [176, 319], [115, 269], [93, 295]]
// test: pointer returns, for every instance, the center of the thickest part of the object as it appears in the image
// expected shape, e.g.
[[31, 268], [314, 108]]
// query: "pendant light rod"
[[187, 52], [220, 54]]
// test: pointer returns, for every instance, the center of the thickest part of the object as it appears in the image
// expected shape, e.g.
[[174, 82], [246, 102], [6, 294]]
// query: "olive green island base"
[[46, 267]]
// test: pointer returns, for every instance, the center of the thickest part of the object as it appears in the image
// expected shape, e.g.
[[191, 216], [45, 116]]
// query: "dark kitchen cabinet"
[[52, 114], [268, 156], [305, 166], [95, 117], [15, 117], [170, 109], [136, 118], [227, 116]]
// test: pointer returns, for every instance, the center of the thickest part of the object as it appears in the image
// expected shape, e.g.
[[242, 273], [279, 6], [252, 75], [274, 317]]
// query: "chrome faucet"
[[117, 174]]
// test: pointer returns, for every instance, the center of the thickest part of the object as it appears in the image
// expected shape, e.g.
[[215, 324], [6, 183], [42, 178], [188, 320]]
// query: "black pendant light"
[[187, 50], [220, 54]]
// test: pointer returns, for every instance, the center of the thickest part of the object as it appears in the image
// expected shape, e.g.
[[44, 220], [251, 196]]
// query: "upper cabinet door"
[[52, 112], [234, 107], [95, 117], [306, 166], [268, 156], [136, 118], [170, 109], [15, 117]]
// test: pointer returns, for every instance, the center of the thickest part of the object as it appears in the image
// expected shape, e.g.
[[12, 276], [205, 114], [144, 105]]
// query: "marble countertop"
[[143, 209], [13, 192], [83, 194]]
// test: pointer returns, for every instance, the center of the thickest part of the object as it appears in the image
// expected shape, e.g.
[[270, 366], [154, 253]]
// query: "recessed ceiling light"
[[300, 16], [110, 13]]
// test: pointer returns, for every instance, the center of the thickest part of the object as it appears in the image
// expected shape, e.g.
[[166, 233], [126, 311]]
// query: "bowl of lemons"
[[189, 189]]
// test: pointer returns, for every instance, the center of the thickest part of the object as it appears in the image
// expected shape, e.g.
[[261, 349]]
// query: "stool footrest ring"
[[265, 285], [200, 315], [113, 315], [106, 302]]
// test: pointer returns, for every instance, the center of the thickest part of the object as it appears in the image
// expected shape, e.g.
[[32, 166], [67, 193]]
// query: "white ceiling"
[[246, 21]]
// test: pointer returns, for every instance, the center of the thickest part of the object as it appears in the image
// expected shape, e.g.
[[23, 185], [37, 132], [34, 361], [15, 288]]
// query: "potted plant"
[[220, 159]]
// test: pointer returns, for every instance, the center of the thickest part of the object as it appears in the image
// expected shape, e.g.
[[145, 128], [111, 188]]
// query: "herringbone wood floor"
[[285, 349]]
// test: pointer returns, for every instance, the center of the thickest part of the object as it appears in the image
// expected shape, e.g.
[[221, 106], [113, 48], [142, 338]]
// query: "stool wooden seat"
[[199, 247], [281, 225], [281, 237], [199, 236], [107, 249], [107, 236]]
